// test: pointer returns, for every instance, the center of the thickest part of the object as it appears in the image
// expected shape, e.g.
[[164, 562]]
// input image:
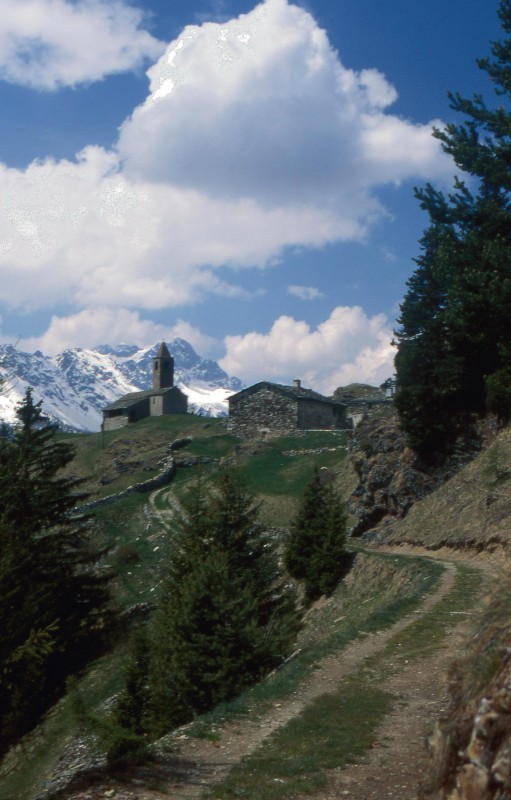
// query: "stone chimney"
[[297, 384]]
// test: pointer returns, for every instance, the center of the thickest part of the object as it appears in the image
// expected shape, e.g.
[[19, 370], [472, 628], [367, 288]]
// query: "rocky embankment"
[[392, 477], [469, 512], [462, 506], [471, 746]]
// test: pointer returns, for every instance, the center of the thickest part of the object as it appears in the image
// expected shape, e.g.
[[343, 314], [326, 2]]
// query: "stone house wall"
[[112, 423], [139, 410], [123, 416], [270, 411], [313, 414], [174, 402], [156, 405], [263, 412], [171, 401], [358, 410]]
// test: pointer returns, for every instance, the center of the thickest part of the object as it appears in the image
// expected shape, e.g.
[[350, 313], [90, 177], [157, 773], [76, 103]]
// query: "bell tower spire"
[[163, 369]]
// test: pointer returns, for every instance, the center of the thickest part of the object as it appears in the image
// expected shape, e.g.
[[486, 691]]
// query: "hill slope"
[[470, 512]]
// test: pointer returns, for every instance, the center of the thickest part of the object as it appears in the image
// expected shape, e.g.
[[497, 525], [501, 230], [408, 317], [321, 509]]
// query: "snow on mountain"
[[62, 404], [136, 364], [204, 400], [75, 385]]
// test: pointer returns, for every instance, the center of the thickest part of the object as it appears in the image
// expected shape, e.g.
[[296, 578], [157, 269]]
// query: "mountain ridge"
[[76, 384]]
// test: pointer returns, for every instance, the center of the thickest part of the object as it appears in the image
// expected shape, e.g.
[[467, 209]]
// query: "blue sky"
[[235, 173]]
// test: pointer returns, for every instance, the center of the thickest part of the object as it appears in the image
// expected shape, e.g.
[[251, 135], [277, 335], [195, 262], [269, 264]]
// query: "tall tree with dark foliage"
[[454, 354], [315, 552], [51, 597], [227, 614]]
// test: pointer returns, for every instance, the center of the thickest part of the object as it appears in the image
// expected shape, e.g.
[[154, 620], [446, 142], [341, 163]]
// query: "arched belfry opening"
[[163, 369]]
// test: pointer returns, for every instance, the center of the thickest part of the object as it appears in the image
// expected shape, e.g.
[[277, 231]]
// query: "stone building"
[[163, 398], [271, 408], [363, 401]]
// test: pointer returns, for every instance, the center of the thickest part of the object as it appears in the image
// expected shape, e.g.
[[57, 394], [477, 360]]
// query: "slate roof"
[[295, 392], [133, 398]]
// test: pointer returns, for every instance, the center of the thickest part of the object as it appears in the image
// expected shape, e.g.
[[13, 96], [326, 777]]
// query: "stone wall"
[[112, 423], [312, 414], [165, 476], [265, 411], [175, 402]]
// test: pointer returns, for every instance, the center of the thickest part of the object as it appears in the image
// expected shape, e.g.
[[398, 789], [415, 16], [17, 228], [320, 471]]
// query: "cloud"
[[91, 327], [305, 292], [253, 138], [47, 44], [262, 107], [82, 233], [349, 346]]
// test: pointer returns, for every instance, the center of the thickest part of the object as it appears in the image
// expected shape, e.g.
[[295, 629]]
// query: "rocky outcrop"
[[392, 477], [471, 747]]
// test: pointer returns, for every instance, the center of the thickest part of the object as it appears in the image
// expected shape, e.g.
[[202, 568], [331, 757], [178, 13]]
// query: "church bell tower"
[[163, 369]]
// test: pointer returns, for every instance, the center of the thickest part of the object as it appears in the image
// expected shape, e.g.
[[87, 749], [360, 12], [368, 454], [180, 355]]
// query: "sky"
[[237, 174]]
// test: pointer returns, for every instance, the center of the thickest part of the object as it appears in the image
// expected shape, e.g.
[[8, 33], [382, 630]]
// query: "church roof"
[[133, 398]]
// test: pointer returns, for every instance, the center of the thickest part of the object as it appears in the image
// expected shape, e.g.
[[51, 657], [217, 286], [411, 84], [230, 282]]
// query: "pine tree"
[[226, 614], [124, 732], [51, 598], [429, 383], [467, 370], [315, 550]]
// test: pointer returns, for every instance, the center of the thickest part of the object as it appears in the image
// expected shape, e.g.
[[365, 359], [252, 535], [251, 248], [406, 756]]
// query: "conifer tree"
[[470, 332], [429, 372], [315, 550], [51, 598], [124, 732], [226, 614]]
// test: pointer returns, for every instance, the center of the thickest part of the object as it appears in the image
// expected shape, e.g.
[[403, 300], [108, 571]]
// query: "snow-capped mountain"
[[76, 384]]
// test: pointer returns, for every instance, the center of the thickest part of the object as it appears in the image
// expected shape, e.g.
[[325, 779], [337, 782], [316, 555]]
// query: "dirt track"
[[389, 770]]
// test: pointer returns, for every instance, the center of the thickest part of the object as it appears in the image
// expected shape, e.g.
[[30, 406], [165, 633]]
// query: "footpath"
[[390, 768]]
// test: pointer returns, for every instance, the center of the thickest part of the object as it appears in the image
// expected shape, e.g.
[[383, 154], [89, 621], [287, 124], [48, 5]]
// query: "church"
[[163, 398]]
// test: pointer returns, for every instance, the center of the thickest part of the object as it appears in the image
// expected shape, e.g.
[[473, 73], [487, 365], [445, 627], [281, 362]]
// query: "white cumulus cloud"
[[92, 327], [348, 347], [254, 137], [82, 232], [262, 107], [47, 44]]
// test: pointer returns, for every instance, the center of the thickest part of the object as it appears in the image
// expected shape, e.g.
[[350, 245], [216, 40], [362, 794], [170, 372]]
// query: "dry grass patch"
[[471, 511]]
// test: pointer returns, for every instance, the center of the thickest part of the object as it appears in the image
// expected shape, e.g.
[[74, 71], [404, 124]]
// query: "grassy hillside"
[[472, 510], [378, 591], [111, 461], [276, 470], [134, 532]]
